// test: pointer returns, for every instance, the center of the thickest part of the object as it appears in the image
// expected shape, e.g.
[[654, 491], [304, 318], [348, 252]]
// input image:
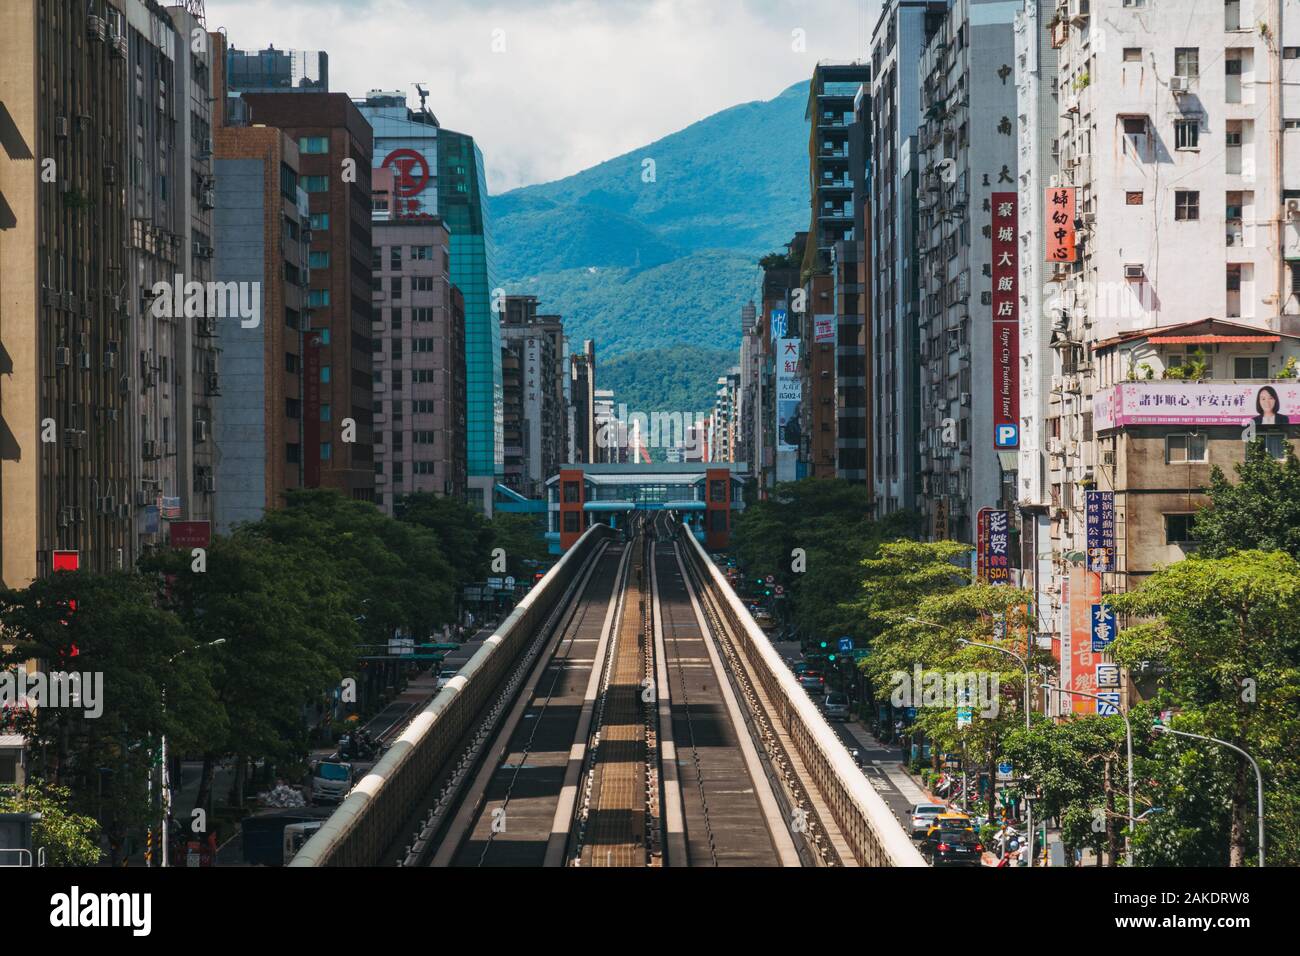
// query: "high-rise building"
[[582, 405], [782, 443], [1176, 268], [749, 390], [896, 44], [535, 414], [829, 114], [967, 157], [463, 205], [68, 302], [262, 230], [851, 296], [419, 354], [334, 146]]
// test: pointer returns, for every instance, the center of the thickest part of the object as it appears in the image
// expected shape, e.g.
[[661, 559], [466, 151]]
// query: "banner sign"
[[780, 327], [1006, 321], [1100, 510], [1085, 593], [994, 552], [1058, 231], [823, 328], [789, 395], [191, 534], [1196, 403], [1103, 628]]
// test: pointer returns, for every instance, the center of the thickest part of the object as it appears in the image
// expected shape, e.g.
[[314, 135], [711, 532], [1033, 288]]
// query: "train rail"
[[630, 714]]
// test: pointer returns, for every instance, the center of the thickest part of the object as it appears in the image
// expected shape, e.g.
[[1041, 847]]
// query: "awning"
[[1212, 339]]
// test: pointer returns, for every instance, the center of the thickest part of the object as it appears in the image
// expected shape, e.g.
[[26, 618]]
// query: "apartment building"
[[1173, 309], [535, 414], [851, 296], [334, 150], [582, 407], [68, 305], [966, 160], [896, 42]]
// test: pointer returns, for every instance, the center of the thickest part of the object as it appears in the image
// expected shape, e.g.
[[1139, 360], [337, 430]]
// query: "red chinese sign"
[[1006, 322], [190, 534], [1058, 230]]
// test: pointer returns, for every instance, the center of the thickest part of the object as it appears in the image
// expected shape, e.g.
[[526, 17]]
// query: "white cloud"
[[580, 81]]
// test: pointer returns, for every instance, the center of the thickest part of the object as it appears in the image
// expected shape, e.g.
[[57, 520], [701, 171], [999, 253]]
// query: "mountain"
[[657, 271]]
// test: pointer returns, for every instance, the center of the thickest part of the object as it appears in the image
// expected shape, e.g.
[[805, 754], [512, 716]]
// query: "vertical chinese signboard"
[[1058, 231], [1006, 322], [1085, 593], [1100, 507], [789, 395], [994, 552]]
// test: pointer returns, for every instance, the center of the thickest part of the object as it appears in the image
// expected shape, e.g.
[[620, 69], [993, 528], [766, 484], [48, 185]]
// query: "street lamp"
[[166, 782], [1259, 777], [1128, 740]]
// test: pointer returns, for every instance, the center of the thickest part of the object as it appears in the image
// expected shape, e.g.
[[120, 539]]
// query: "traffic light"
[[823, 645], [831, 658]]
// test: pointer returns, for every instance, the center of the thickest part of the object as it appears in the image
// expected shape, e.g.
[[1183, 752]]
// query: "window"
[[315, 184], [1232, 15], [1250, 367], [1187, 61], [1183, 449], [326, 450], [422, 252], [293, 408], [571, 521], [1133, 197], [1276, 445], [319, 260], [1179, 529], [318, 298], [290, 362], [1295, 278], [326, 412], [293, 453], [324, 373], [423, 314], [717, 490], [1132, 54], [395, 257], [572, 493], [314, 145], [320, 221], [1187, 205], [1135, 125], [324, 336], [1291, 52], [422, 283], [1187, 134]]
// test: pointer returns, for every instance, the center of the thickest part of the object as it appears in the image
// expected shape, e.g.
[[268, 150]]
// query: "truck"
[[297, 834], [263, 833], [331, 780]]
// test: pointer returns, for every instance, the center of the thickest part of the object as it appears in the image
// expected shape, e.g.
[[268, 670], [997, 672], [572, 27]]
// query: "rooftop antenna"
[[195, 9], [423, 93]]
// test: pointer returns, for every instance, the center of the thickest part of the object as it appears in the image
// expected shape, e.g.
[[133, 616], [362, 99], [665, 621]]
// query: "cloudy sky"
[[549, 87]]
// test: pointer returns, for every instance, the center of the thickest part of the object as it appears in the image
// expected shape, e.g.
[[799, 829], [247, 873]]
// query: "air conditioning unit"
[[208, 199], [965, 398], [205, 148], [1058, 383], [207, 325], [65, 517], [124, 511], [1180, 84], [1079, 10], [1055, 446], [96, 29], [1108, 458], [213, 382], [62, 357], [200, 430], [1293, 208], [150, 450], [110, 359], [61, 127], [118, 47], [107, 505], [209, 483], [1134, 270], [202, 251], [1088, 218], [84, 361], [142, 497]]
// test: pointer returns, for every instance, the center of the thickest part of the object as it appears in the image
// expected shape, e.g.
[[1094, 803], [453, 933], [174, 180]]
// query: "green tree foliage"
[[521, 537], [1223, 630], [1261, 510], [116, 631], [464, 537], [68, 838], [828, 519]]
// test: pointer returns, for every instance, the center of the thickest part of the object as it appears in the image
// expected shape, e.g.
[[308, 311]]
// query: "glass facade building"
[[462, 203]]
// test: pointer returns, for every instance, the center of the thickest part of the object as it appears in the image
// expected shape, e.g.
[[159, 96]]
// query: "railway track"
[[638, 738]]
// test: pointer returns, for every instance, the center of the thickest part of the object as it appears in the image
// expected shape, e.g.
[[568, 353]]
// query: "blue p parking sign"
[[1007, 436]]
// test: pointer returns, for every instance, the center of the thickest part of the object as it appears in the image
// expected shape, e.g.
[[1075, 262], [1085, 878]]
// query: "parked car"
[[445, 677], [954, 848], [836, 706], [812, 681], [923, 815]]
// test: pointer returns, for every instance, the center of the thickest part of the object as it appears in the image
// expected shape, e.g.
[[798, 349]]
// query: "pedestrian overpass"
[[702, 495]]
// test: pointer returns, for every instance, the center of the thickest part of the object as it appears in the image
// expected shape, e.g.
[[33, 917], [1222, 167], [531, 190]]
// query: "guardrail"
[[372, 816], [863, 817]]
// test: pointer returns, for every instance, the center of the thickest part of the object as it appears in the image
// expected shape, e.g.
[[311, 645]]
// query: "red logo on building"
[[410, 172]]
